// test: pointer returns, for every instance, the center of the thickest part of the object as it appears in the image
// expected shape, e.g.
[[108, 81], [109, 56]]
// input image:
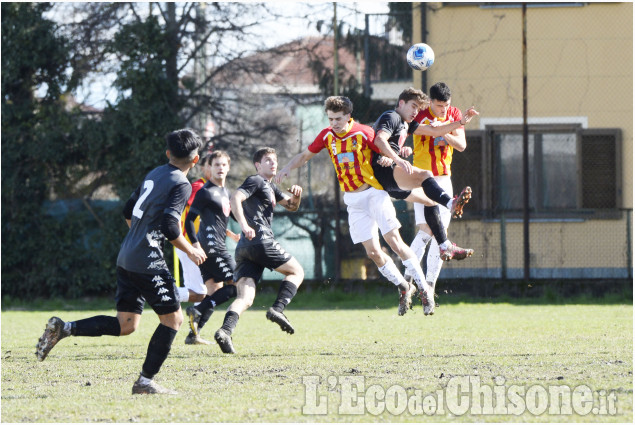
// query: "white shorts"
[[446, 184], [368, 211], [192, 278]]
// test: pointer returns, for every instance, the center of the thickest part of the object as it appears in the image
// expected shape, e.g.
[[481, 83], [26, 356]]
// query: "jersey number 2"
[[148, 185]]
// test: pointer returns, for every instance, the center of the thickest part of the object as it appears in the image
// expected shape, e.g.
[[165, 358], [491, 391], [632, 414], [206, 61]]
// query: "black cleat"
[[53, 332], [280, 319], [224, 341]]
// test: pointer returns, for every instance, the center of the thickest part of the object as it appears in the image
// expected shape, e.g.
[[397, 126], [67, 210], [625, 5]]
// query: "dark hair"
[[413, 94], [208, 159], [262, 152], [183, 144], [440, 91], [338, 104]]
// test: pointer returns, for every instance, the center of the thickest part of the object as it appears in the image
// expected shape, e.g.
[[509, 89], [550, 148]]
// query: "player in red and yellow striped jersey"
[[435, 154], [350, 146], [193, 288]]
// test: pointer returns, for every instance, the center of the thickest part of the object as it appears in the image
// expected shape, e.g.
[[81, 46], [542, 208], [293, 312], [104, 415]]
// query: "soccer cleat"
[[53, 332], [192, 339], [224, 341], [459, 202], [280, 319], [455, 252], [194, 316], [150, 388], [427, 300], [405, 299]]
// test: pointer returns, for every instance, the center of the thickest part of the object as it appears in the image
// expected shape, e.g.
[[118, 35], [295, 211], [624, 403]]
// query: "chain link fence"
[[579, 116]]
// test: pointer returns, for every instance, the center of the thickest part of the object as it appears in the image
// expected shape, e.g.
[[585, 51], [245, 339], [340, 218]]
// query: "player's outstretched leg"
[[53, 333]]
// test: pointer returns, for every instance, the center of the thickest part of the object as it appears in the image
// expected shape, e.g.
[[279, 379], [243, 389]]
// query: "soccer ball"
[[420, 56]]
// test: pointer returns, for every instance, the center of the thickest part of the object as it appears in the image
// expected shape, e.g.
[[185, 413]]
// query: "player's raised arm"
[[296, 162], [441, 130], [381, 141]]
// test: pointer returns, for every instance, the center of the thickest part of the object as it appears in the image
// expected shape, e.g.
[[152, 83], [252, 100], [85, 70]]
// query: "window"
[[552, 171], [572, 170]]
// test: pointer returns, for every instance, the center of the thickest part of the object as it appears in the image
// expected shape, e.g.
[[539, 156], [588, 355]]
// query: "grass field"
[[367, 359]]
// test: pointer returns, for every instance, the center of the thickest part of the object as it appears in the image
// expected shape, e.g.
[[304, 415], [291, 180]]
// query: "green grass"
[[89, 379]]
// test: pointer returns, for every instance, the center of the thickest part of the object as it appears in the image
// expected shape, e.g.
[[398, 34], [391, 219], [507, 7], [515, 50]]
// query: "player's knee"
[[128, 327], [196, 298], [374, 255]]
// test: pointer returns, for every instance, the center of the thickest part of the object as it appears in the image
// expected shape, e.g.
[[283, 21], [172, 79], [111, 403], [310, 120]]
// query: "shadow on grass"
[[327, 295]]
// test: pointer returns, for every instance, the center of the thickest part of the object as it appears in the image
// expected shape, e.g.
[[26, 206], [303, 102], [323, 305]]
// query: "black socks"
[[285, 294], [230, 322], [434, 191], [96, 326], [158, 350], [433, 219]]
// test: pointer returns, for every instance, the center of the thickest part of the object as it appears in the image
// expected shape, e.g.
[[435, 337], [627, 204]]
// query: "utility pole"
[[525, 152], [338, 236]]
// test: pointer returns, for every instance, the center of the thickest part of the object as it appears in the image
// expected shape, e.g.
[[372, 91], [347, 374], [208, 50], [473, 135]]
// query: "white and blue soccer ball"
[[420, 56]]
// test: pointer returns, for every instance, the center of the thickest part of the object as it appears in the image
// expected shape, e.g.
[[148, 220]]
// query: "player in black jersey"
[[211, 203], [252, 205], [153, 214], [403, 181]]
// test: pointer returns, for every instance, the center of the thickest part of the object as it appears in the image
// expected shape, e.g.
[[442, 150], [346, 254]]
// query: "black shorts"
[[134, 289], [219, 266], [251, 260], [386, 177]]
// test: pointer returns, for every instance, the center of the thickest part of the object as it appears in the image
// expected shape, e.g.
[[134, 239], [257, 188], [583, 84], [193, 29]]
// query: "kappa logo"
[[264, 237], [222, 264], [219, 260], [228, 274], [277, 246], [157, 279], [153, 255], [158, 264], [226, 269], [166, 298], [209, 228], [212, 251], [286, 255], [162, 291]]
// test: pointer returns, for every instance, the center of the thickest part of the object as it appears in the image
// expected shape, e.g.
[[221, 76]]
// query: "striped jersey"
[[195, 187], [351, 154], [428, 155]]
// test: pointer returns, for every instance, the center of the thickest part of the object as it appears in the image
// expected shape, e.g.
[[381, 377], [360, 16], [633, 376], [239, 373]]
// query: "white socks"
[[419, 243], [392, 273], [413, 268]]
